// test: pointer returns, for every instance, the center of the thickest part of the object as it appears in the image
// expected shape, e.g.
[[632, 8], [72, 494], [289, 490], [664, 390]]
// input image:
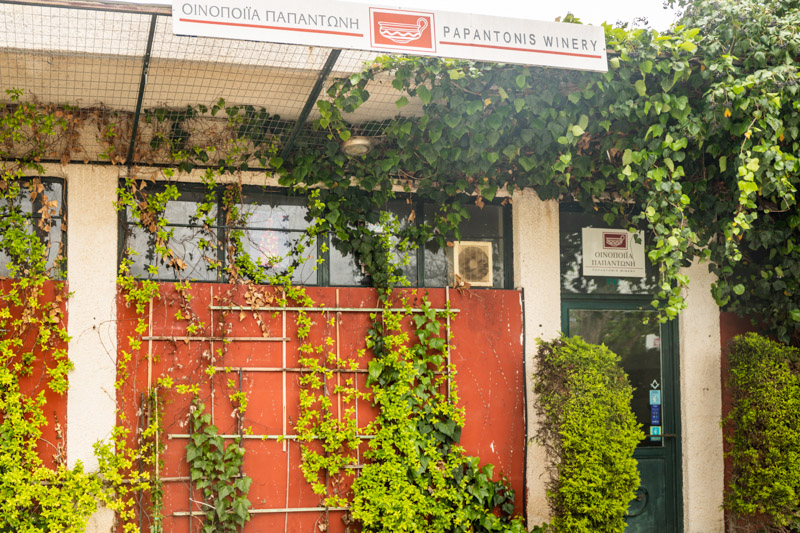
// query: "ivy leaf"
[[627, 157], [641, 88], [375, 369], [527, 163], [738, 289], [424, 94], [489, 192], [455, 74], [401, 102]]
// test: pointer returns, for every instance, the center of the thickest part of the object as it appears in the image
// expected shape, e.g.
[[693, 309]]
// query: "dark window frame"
[[59, 220], [323, 272]]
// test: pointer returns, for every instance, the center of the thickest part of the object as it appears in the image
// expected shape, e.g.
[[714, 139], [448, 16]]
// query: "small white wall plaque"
[[612, 253]]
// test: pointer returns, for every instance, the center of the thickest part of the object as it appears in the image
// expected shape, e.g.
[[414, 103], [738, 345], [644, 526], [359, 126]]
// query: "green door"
[[649, 355]]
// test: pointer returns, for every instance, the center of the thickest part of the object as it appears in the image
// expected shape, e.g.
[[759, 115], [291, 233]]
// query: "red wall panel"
[[52, 443], [486, 349]]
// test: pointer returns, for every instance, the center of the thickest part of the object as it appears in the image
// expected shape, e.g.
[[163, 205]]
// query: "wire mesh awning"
[[122, 62]]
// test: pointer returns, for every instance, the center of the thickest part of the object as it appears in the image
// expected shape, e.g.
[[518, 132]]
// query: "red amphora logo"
[[402, 30], [615, 240]]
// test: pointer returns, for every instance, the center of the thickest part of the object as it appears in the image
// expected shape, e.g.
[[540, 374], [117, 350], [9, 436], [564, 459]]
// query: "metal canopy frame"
[[283, 79]]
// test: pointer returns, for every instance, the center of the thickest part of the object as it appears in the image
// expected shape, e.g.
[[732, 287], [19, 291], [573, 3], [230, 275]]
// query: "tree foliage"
[[691, 135]]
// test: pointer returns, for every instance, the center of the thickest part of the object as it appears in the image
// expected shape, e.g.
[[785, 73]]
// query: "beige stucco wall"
[[536, 272], [701, 406], [91, 273]]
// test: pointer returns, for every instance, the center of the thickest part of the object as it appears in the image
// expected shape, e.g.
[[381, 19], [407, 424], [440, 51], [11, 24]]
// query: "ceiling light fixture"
[[357, 145]]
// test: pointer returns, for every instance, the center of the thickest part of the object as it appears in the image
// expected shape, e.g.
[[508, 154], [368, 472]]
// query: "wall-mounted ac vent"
[[473, 262]]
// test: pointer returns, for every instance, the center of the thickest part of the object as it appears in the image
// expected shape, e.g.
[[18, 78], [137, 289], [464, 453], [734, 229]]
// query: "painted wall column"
[[701, 406], [91, 275], [537, 272]]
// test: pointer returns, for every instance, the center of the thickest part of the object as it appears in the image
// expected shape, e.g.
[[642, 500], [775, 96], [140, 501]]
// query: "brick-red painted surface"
[[52, 443], [487, 351]]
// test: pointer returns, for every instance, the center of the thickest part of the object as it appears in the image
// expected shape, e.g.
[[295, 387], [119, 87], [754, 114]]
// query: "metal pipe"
[[286, 369], [283, 377], [447, 340], [149, 340], [183, 338], [256, 437], [328, 309], [87, 5], [142, 83], [310, 101], [276, 511]]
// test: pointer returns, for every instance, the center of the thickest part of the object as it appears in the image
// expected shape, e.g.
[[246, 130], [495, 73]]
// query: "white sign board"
[[612, 253], [337, 24]]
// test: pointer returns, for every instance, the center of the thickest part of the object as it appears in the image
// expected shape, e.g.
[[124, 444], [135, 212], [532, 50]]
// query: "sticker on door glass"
[[655, 414], [655, 433], [655, 397]]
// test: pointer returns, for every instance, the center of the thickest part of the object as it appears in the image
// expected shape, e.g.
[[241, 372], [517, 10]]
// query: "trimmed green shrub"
[[765, 419], [583, 399]]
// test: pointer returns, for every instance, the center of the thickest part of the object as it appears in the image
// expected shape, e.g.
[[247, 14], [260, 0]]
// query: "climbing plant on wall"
[[691, 135], [37, 494]]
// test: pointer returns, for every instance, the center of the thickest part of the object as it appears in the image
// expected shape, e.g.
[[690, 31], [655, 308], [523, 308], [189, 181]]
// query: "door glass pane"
[[639, 348]]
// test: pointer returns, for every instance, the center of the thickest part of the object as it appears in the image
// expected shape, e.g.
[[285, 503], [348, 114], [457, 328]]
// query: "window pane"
[[437, 267], [345, 271], [572, 280], [274, 211], [184, 209], [52, 192], [486, 222], [485, 225], [185, 244], [273, 250], [638, 346]]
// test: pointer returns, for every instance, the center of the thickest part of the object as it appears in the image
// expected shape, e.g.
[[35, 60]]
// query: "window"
[[274, 222], [572, 221], [42, 200], [271, 225]]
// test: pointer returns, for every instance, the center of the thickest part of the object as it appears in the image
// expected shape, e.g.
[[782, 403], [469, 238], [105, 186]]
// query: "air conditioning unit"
[[472, 261]]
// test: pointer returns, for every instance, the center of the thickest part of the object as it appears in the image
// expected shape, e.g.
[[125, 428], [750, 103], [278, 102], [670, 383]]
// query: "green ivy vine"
[[216, 470], [36, 496], [691, 135]]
